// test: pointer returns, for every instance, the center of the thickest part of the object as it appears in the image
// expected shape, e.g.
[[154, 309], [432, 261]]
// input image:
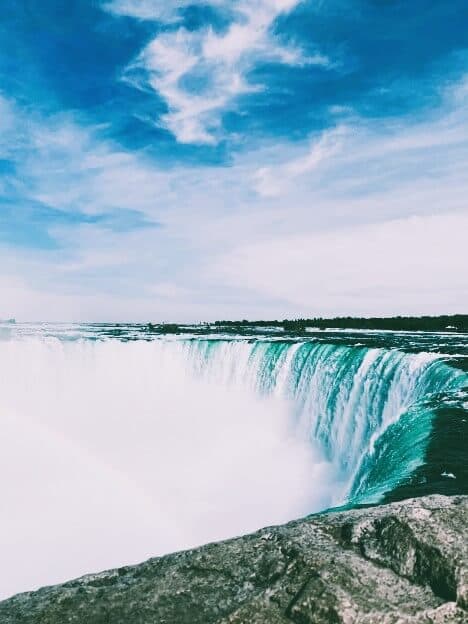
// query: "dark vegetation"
[[164, 328], [446, 323], [456, 322]]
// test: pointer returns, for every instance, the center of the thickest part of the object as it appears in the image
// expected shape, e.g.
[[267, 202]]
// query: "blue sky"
[[232, 159]]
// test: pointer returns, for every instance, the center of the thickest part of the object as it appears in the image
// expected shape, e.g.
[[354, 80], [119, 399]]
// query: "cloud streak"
[[200, 74], [272, 181], [219, 227], [151, 10]]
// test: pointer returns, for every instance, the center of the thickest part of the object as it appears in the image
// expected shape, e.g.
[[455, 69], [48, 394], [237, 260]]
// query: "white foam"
[[113, 452]]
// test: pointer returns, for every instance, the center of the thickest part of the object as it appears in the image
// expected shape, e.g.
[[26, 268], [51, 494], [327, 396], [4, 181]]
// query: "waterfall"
[[113, 451], [345, 399]]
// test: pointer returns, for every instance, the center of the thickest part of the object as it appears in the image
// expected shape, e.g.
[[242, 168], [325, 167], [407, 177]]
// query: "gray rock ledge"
[[394, 564]]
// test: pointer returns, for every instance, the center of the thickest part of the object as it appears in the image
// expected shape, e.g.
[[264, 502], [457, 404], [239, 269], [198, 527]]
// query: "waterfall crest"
[[369, 410]]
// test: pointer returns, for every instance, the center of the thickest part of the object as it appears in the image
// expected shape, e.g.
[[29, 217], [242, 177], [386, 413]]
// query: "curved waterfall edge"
[[392, 422]]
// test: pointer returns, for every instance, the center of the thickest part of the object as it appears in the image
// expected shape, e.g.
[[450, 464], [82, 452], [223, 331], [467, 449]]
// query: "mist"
[[115, 452]]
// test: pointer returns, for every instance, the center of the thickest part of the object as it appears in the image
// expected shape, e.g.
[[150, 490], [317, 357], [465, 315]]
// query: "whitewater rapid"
[[112, 451]]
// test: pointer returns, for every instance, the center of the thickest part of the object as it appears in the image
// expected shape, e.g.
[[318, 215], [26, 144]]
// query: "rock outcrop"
[[393, 564]]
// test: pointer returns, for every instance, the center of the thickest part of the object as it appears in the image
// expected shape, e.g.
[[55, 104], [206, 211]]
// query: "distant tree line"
[[163, 328], [455, 322]]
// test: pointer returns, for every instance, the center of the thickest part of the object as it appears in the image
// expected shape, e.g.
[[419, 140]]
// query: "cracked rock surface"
[[394, 564]]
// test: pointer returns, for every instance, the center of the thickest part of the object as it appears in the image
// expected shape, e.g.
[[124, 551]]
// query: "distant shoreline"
[[444, 323], [455, 323]]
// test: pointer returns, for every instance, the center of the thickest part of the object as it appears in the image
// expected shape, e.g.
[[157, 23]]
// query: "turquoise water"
[[370, 410], [373, 403]]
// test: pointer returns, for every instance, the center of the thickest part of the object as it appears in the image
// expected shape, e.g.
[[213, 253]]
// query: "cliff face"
[[401, 563]]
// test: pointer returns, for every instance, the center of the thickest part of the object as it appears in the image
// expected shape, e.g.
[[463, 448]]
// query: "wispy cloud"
[[151, 10], [380, 228], [232, 243], [66, 166], [397, 265], [200, 73], [275, 180]]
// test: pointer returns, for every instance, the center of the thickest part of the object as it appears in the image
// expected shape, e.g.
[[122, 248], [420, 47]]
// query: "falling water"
[[114, 451]]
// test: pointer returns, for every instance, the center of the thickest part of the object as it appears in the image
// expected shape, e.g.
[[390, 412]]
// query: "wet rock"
[[404, 563]]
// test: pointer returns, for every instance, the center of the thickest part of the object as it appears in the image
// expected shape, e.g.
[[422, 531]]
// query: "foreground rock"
[[400, 563]]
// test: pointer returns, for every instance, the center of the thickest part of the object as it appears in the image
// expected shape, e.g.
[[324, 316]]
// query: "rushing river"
[[118, 444]]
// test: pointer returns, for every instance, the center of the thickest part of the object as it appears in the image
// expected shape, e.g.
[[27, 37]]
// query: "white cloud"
[[170, 290], [68, 167], [152, 10], [271, 181], [374, 175], [402, 266], [217, 63]]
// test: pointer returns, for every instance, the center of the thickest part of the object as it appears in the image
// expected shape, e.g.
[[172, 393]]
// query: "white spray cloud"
[[115, 452]]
